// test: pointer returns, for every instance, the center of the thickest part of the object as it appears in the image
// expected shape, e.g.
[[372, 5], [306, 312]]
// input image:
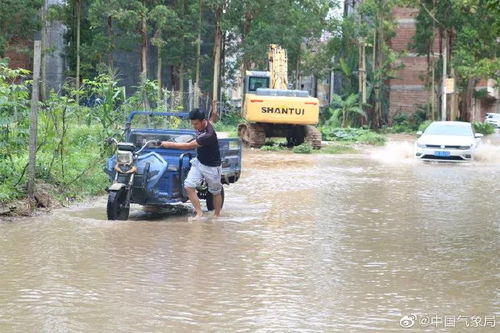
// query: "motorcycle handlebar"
[[146, 144]]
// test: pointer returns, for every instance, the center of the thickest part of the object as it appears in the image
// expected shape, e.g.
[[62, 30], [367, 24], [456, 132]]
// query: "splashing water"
[[487, 153], [395, 152]]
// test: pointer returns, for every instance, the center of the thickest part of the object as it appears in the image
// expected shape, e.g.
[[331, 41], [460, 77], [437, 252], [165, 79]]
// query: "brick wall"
[[408, 90], [406, 99], [412, 73], [19, 55]]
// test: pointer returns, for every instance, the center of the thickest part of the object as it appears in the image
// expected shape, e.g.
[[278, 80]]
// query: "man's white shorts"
[[199, 171]]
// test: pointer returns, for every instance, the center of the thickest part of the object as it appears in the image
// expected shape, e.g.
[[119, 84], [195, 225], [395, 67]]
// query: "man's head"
[[198, 120]]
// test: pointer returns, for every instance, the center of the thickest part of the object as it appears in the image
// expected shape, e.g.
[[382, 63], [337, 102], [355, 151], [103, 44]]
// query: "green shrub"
[[360, 135], [270, 143], [423, 126], [304, 148], [371, 138], [483, 128], [229, 122], [271, 148], [337, 149], [404, 122]]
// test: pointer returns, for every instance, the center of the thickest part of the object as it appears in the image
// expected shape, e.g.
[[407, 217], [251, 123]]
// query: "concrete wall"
[[54, 59], [53, 65]]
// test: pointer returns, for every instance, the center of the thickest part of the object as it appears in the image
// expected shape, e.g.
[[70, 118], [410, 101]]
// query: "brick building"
[[19, 54], [410, 89]]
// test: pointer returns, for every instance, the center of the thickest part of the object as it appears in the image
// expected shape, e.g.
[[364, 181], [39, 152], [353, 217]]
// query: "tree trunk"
[[297, 69], [111, 40], [144, 61], [223, 63], [181, 77], [433, 90], [444, 77], [246, 30], [217, 60], [198, 50], [183, 57], [144, 50], [379, 62], [468, 94], [78, 19], [158, 72], [173, 82], [197, 83], [43, 68]]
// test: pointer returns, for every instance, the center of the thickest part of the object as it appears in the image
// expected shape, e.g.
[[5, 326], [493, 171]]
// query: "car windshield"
[[494, 115], [447, 129]]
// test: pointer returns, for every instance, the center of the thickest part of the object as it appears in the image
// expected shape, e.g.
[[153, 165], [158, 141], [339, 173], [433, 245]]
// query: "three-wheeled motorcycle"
[[144, 173]]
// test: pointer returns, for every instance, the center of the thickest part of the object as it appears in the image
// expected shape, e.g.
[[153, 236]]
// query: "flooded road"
[[308, 243]]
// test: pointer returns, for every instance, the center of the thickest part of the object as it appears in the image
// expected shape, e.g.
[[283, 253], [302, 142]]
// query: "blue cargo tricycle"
[[143, 173]]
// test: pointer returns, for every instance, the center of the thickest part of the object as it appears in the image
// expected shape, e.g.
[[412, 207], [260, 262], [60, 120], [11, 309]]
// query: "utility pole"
[[445, 76], [34, 118]]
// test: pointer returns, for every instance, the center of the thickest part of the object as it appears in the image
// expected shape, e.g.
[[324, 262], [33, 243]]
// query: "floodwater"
[[313, 243]]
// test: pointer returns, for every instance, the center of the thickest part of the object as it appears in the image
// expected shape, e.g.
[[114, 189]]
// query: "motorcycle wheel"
[[116, 208]]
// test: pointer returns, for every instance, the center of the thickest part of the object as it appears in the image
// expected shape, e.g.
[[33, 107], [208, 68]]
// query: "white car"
[[493, 118], [447, 141]]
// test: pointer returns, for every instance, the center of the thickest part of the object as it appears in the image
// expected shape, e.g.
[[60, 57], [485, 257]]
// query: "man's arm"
[[180, 145]]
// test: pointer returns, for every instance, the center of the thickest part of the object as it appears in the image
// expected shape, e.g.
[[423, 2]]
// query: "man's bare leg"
[[217, 204], [195, 201]]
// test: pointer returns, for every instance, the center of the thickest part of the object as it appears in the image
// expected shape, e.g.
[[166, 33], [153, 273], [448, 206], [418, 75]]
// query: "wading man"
[[207, 164]]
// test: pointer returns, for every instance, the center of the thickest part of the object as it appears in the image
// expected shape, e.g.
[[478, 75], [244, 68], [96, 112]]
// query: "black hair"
[[196, 114]]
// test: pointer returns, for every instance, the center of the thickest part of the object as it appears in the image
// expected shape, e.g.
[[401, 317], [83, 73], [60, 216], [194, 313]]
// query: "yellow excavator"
[[272, 110]]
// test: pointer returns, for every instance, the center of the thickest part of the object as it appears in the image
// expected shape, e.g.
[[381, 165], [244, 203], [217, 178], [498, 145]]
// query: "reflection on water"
[[308, 242]]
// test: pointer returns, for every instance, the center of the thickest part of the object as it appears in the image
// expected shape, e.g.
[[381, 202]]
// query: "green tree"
[[14, 111], [470, 28], [164, 20], [290, 24], [19, 20], [346, 109]]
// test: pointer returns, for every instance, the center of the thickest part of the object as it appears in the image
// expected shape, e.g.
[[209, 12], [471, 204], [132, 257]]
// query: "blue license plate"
[[442, 153]]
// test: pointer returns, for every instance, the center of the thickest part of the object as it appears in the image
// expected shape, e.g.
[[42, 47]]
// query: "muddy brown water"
[[307, 243]]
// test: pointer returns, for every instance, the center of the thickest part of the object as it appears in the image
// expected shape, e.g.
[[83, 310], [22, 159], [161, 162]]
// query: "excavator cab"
[[255, 80], [272, 110]]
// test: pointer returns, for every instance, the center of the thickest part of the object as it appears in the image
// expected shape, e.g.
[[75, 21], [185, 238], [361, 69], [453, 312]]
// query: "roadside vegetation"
[[71, 151], [484, 128]]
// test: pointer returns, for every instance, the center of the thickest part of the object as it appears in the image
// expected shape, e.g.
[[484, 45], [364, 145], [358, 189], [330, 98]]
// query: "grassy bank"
[[71, 152]]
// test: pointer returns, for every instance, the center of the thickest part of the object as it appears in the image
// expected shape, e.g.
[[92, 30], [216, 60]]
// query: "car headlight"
[[421, 145], [124, 157], [464, 147]]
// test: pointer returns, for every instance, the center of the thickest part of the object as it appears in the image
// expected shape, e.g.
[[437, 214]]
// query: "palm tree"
[[346, 107]]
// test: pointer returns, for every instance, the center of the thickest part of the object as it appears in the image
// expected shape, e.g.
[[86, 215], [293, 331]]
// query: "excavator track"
[[252, 135], [313, 136]]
